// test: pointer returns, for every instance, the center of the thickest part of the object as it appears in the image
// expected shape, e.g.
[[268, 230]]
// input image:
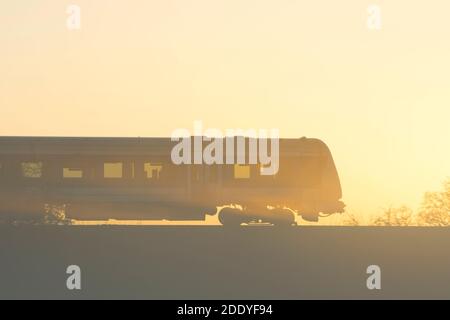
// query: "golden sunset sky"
[[379, 99]]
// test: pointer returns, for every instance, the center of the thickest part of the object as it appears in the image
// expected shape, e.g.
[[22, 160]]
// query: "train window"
[[31, 169], [298, 172], [241, 171], [152, 170], [71, 173], [113, 170]]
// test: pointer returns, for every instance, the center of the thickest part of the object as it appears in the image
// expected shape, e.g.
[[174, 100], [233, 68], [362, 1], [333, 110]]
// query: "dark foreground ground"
[[152, 262]]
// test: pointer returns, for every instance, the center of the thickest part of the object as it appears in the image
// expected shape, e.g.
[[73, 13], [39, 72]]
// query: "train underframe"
[[30, 207], [277, 216]]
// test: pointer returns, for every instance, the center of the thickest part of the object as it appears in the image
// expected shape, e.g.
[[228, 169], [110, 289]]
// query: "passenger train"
[[135, 179]]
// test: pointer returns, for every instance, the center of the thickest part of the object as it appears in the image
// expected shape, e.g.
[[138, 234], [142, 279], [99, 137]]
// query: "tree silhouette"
[[350, 220], [402, 216], [435, 210], [56, 214]]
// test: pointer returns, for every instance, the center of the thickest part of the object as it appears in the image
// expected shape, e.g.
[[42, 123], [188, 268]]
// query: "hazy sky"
[[379, 99]]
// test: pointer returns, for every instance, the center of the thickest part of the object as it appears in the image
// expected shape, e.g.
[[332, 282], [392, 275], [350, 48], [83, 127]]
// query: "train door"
[[203, 185]]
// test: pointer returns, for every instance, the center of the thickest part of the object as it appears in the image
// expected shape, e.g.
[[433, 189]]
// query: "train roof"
[[125, 146]]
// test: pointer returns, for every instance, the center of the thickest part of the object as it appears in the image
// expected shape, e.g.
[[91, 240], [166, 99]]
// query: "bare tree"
[[401, 216], [350, 220], [435, 209]]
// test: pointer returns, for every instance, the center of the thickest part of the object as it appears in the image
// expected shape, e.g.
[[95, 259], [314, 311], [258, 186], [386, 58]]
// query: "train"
[[120, 178]]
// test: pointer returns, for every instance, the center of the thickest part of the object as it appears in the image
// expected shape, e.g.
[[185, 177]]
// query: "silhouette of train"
[[135, 179]]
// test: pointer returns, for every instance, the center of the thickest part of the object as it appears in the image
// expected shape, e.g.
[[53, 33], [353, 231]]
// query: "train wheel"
[[281, 217], [230, 217]]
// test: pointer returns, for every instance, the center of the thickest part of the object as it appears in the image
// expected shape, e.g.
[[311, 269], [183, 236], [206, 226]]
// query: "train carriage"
[[135, 179]]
